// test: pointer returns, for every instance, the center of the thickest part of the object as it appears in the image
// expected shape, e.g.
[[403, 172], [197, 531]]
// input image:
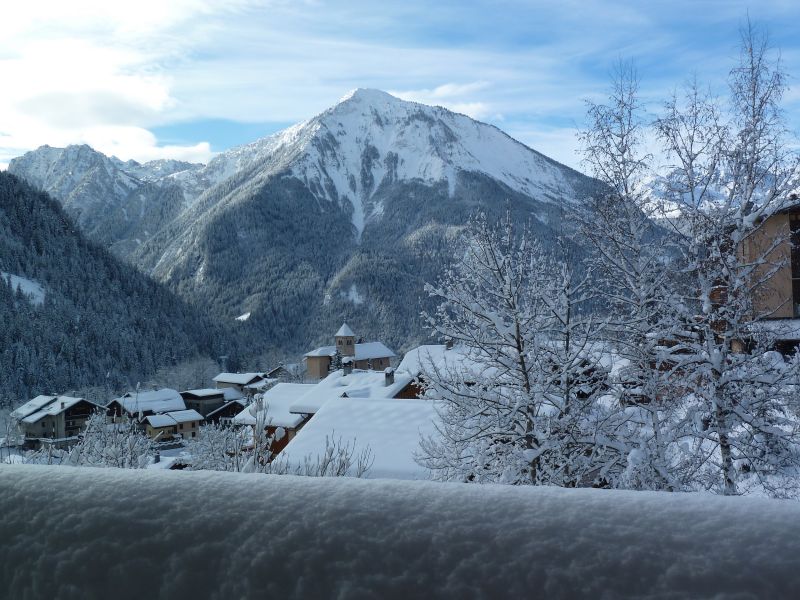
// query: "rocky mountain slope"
[[343, 216]]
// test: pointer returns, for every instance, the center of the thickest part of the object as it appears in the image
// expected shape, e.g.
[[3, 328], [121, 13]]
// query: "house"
[[173, 425], [776, 301], [389, 430], [225, 414], [446, 360], [208, 400], [237, 380], [272, 411], [53, 419], [286, 372], [352, 383], [364, 355], [147, 403]]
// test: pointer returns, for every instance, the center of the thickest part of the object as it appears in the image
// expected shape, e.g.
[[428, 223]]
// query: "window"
[[349, 342], [194, 434]]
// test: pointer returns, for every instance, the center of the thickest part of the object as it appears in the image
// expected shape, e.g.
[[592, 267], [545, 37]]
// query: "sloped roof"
[[344, 331], [32, 406], [373, 350], [205, 392], [47, 406], [155, 401], [277, 402], [173, 418], [358, 384], [363, 351], [322, 351], [239, 402], [237, 378], [391, 429]]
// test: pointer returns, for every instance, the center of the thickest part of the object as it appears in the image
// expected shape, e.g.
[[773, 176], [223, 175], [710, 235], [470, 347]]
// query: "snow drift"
[[103, 533]]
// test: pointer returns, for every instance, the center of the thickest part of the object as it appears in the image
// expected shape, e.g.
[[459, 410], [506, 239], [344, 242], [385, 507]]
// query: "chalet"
[[173, 425], [286, 373], [272, 412], [389, 430], [364, 355], [152, 402], [238, 381], [225, 414], [208, 400], [53, 420], [777, 299], [444, 359]]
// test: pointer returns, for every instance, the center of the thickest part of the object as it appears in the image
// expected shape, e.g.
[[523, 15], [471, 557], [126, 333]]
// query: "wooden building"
[[373, 356], [56, 420]]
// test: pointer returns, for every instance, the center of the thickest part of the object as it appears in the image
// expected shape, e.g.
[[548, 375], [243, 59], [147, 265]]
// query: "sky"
[[186, 79]]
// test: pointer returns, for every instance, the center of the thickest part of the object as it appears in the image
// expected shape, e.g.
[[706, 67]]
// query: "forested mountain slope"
[[81, 317]]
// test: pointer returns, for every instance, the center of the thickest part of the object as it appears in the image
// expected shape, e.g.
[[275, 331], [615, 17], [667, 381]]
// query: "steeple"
[[345, 341]]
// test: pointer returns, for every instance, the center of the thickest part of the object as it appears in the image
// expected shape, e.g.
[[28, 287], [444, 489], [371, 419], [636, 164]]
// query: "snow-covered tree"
[[220, 448], [732, 172], [521, 405], [631, 270], [122, 445]]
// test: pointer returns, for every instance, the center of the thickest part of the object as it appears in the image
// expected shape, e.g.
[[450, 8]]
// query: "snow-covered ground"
[[32, 289], [105, 533]]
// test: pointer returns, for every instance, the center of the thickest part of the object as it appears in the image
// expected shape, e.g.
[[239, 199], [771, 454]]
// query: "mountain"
[[345, 215], [117, 204], [74, 316]]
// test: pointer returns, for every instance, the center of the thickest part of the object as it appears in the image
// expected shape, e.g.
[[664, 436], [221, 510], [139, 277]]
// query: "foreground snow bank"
[[104, 533]]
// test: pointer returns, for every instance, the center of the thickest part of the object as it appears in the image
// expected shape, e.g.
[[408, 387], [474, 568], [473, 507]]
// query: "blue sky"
[[188, 78]]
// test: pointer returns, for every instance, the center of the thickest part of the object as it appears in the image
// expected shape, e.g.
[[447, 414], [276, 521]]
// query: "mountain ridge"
[[346, 214]]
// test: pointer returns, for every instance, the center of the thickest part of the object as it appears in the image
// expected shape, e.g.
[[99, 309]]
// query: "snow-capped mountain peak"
[[371, 139]]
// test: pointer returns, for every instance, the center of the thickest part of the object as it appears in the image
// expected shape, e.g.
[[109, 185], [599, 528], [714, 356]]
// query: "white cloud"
[[92, 71], [454, 96]]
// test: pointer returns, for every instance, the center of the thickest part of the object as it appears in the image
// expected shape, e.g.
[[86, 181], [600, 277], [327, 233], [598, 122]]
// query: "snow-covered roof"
[[365, 351], [237, 378], [174, 418], [277, 402], [185, 416], [205, 392], [43, 406], [322, 351], [358, 384], [32, 406], [160, 421], [438, 357], [390, 428], [261, 384], [155, 401], [373, 350], [344, 331], [239, 402], [227, 393]]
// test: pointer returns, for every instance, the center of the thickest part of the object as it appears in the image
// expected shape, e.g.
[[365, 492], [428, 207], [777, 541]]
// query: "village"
[[349, 389]]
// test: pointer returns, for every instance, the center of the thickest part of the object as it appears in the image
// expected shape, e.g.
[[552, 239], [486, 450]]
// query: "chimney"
[[388, 373], [63, 404], [448, 343], [347, 365]]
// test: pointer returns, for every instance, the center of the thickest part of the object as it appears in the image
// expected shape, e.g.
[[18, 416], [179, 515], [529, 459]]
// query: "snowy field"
[[103, 533]]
